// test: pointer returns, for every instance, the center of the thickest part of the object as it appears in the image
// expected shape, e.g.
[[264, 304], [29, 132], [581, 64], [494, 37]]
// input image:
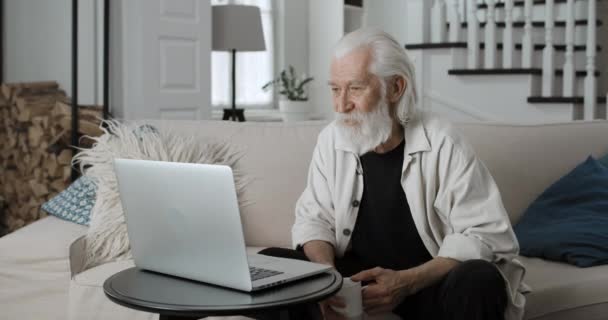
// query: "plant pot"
[[294, 110]]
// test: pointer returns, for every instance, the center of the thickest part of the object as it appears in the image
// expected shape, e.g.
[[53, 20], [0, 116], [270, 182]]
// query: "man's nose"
[[343, 104]]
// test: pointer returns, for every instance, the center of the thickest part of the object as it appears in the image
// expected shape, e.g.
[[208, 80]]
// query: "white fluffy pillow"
[[106, 238]]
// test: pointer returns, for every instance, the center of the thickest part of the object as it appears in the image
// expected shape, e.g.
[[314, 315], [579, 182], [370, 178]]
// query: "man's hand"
[[389, 289], [329, 313]]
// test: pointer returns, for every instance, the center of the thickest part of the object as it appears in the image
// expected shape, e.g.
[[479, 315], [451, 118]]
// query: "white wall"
[[37, 44], [389, 15], [326, 27], [37, 41], [292, 35]]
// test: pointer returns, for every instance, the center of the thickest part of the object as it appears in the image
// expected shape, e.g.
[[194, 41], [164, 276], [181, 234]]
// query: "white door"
[[167, 72]]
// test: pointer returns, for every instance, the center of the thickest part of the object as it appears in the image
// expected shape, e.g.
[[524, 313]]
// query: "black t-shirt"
[[385, 234]]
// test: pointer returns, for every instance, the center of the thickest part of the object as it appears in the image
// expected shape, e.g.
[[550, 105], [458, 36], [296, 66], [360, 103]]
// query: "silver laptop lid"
[[183, 219]]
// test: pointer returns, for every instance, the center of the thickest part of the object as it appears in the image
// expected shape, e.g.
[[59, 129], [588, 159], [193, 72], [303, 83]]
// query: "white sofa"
[[41, 274]]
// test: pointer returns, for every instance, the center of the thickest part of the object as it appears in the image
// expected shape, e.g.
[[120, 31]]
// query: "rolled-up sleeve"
[[470, 200], [314, 218]]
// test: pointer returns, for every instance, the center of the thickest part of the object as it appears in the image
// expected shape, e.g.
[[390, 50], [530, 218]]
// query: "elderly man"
[[397, 199]]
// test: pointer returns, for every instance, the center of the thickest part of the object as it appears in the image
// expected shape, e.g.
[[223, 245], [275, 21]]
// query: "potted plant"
[[294, 106]]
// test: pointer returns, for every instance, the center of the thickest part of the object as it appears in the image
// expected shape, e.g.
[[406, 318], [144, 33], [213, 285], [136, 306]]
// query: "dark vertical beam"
[[1, 41], [233, 84], [106, 59], [74, 84]]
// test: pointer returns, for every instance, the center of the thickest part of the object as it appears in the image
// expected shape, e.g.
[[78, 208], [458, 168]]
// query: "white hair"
[[389, 59]]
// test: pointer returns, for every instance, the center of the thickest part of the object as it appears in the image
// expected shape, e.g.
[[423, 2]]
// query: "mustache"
[[358, 117], [353, 116]]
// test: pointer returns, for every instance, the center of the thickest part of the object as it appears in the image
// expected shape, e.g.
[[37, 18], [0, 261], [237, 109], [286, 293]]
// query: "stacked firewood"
[[35, 146]]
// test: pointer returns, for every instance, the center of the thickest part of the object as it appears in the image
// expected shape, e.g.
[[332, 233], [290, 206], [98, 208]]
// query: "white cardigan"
[[453, 199]]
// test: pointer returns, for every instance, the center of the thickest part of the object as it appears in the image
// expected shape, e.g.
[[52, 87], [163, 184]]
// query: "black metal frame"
[[106, 59], [106, 74], [75, 116], [1, 41]]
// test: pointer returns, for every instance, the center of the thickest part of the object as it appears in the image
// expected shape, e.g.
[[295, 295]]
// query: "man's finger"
[[373, 291], [372, 303], [366, 275]]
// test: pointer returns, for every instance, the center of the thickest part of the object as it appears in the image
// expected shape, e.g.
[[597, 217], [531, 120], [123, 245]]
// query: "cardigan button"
[[346, 232], [356, 203]]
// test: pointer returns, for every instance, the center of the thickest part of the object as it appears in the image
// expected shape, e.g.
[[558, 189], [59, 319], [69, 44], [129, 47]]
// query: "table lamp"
[[236, 27]]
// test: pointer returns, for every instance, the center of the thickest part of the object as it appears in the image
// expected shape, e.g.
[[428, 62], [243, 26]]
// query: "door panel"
[[176, 57]]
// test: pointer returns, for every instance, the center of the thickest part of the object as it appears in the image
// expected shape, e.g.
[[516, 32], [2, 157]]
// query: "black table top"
[[163, 294]]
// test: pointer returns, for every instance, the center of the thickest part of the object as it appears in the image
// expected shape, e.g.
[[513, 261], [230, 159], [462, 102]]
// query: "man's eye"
[[356, 88]]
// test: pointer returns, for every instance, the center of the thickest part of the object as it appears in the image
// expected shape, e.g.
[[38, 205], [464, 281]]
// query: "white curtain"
[[253, 69]]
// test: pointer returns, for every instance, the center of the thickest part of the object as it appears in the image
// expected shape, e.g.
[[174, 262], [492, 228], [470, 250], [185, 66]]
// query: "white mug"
[[351, 294]]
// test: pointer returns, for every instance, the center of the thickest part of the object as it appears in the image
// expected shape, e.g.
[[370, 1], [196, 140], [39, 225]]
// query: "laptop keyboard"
[[259, 273]]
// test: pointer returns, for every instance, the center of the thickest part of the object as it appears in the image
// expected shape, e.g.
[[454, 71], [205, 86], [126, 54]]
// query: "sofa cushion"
[[34, 272], [569, 221], [274, 151], [525, 159], [276, 157], [559, 288]]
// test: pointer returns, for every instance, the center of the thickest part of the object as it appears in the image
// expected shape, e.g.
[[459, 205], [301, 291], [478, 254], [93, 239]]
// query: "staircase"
[[531, 61]]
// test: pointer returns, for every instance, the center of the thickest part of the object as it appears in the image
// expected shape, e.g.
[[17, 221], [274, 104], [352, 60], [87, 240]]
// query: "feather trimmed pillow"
[[106, 238]]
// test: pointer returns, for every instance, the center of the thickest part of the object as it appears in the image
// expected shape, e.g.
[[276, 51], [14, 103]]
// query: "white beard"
[[366, 130]]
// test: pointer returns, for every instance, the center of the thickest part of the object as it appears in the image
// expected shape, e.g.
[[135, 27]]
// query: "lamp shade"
[[237, 27]]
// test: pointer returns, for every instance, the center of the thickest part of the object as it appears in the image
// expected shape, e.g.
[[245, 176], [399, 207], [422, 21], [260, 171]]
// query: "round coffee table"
[[178, 298]]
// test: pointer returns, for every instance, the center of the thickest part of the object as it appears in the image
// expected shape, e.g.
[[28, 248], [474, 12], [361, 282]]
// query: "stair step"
[[577, 100], [440, 45], [535, 24], [541, 46], [518, 3], [532, 71], [518, 46]]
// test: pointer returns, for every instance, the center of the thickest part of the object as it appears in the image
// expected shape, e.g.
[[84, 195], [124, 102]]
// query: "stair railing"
[[527, 45], [467, 10], [569, 75], [548, 52], [490, 39], [590, 81], [455, 26], [507, 37], [473, 61]]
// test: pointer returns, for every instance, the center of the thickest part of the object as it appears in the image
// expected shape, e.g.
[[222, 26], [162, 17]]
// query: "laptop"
[[183, 220]]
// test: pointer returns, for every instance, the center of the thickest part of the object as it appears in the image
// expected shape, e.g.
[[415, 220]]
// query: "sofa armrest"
[[77, 254]]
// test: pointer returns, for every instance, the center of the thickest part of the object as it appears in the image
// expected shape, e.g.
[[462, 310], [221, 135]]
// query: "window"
[[253, 69]]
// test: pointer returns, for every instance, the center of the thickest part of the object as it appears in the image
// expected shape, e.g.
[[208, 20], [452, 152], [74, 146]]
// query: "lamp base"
[[234, 114]]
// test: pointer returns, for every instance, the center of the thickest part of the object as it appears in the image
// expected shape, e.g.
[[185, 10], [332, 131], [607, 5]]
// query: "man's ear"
[[397, 87]]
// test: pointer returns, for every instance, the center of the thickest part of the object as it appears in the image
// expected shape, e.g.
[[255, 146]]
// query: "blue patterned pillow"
[[74, 203]]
